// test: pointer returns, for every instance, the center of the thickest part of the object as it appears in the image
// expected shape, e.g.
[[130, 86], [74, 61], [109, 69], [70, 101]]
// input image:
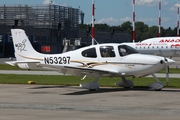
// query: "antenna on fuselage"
[[94, 39]]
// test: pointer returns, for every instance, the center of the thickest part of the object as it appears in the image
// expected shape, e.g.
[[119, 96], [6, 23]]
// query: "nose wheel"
[[156, 85]]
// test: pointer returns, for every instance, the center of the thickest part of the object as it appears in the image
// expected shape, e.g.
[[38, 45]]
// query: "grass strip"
[[9, 67], [75, 81]]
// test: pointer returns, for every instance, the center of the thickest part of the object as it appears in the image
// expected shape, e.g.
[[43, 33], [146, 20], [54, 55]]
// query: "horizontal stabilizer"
[[13, 63]]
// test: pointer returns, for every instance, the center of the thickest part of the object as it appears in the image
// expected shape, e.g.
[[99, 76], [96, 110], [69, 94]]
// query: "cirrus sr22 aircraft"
[[95, 60]]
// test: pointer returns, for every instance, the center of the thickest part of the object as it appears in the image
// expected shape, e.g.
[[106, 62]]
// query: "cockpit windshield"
[[126, 50]]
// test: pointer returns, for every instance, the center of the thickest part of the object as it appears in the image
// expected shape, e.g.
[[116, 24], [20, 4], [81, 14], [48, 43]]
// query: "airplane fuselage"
[[162, 48], [91, 58]]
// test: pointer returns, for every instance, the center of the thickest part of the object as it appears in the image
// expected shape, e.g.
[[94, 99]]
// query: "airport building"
[[47, 26]]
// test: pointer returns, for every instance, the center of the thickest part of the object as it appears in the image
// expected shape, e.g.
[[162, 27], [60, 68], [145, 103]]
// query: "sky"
[[116, 12]]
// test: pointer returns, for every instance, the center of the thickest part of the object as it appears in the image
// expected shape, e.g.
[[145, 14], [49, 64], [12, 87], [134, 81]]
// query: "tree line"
[[142, 31]]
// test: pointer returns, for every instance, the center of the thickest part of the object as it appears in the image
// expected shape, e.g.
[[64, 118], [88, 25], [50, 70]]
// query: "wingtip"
[[12, 63]]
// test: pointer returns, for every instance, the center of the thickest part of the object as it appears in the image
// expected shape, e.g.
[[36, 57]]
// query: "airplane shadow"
[[107, 90], [103, 89], [48, 86]]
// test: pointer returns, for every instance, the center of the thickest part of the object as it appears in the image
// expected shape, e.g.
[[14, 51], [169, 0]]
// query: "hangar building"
[[46, 26]]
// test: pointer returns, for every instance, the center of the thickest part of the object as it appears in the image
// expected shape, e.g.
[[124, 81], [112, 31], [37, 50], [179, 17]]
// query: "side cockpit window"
[[107, 51], [91, 53], [126, 50]]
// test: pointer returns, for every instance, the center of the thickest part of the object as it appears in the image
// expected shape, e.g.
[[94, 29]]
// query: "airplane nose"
[[167, 61]]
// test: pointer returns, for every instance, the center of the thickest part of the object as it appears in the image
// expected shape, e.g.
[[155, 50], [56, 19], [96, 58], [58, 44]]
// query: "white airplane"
[[117, 60], [162, 46]]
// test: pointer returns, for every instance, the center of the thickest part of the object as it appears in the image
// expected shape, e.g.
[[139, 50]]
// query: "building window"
[[1, 38], [10, 38]]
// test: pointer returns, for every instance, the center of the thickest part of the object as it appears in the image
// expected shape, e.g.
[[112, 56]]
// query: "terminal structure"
[[47, 26]]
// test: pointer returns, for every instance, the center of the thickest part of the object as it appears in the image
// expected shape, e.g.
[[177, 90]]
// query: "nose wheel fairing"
[[156, 85], [125, 83]]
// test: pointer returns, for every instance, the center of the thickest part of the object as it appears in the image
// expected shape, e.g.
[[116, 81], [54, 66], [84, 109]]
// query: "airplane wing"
[[79, 70], [65, 69], [93, 70]]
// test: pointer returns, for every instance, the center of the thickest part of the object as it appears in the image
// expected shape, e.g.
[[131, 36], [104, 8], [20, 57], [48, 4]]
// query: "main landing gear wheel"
[[92, 86], [125, 83]]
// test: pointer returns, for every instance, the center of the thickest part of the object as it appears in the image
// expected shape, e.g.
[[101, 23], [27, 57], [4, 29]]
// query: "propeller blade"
[[167, 67], [167, 75]]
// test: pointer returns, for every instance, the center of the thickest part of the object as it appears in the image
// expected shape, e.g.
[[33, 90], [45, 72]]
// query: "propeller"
[[167, 67]]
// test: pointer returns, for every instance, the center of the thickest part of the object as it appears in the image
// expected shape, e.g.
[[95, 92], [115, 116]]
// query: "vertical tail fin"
[[22, 46]]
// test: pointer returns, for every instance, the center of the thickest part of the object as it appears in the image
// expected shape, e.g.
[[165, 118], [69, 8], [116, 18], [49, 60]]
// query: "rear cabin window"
[[90, 53], [107, 51]]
